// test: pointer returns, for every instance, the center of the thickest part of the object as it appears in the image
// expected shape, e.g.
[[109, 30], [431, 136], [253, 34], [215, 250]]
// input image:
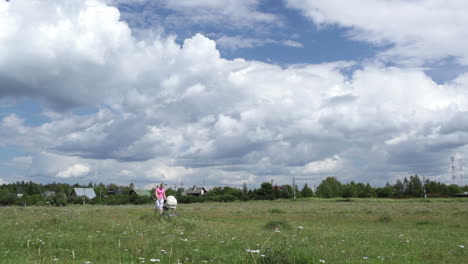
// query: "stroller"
[[170, 206]]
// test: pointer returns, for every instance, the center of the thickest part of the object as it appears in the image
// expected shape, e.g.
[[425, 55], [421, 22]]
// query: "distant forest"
[[59, 194]]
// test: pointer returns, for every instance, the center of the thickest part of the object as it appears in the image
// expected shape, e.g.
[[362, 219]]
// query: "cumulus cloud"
[[411, 32], [75, 171], [180, 112]]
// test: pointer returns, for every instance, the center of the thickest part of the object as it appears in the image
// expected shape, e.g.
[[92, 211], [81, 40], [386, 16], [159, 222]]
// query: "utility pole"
[[294, 187], [424, 187], [452, 159]]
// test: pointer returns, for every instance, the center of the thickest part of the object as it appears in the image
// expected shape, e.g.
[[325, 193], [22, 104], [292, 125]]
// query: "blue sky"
[[226, 92]]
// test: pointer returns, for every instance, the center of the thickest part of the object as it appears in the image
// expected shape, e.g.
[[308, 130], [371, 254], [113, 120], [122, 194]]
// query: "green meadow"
[[281, 231]]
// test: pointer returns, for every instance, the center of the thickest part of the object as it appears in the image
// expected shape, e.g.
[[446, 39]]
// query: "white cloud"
[[239, 13], [329, 165], [239, 42], [172, 113], [416, 31], [75, 171]]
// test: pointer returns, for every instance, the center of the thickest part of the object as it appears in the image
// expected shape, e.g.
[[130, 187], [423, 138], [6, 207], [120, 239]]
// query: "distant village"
[[61, 194]]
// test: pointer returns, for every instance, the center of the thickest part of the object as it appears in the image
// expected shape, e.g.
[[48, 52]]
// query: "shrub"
[[59, 199], [190, 199], [7, 198], [142, 200], [227, 198]]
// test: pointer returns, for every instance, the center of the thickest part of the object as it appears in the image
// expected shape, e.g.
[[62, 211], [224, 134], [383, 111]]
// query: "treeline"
[[30, 193], [413, 187], [35, 194]]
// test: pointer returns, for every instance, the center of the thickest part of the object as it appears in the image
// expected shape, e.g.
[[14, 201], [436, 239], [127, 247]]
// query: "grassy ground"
[[304, 231]]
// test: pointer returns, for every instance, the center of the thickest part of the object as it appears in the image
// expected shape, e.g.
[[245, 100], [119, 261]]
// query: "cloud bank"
[[163, 111], [414, 32]]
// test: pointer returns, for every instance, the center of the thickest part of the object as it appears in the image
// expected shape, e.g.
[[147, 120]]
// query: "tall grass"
[[304, 231]]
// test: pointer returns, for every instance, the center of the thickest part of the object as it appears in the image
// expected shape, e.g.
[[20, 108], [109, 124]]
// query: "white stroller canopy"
[[171, 202]]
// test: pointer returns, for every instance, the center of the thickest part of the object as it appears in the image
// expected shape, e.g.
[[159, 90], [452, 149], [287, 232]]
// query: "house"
[[195, 191], [115, 192], [87, 192], [140, 192], [47, 194], [464, 194]]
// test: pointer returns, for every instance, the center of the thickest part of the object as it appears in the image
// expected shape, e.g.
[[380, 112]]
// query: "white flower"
[[300, 227], [462, 246], [253, 250], [321, 261], [155, 260], [365, 257]]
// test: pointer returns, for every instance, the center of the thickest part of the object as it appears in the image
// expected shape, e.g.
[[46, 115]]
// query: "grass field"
[[303, 231]]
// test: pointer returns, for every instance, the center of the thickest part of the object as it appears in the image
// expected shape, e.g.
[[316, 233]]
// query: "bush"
[[227, 198], [142, 200], [7, 198], [190, 199], [59, 199]]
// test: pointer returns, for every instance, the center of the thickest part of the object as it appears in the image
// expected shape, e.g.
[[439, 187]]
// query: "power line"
[[452, 159]]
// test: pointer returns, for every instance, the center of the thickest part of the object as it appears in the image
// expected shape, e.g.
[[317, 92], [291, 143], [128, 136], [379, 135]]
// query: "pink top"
[[160, 193]]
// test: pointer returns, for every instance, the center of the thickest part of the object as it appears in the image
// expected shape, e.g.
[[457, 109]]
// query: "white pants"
[[159, 203]]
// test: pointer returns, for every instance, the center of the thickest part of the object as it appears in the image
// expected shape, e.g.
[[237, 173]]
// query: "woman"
[[160, 194]]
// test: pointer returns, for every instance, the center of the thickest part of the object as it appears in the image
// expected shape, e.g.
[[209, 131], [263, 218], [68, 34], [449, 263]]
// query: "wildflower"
[[321, 261], [462, 246], [55, 259], [365, 257], [300, 227], [88, 262], [253, 250], [155, 260]]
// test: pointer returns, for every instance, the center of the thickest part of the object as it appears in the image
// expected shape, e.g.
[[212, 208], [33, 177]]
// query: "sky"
[[222, 93]]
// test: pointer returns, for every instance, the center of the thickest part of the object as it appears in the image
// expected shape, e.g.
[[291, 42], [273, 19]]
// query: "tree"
[[307, 191], [369, 192], [415, 187], [265, 192], [385, 192], [329, 188], [398, 188]]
